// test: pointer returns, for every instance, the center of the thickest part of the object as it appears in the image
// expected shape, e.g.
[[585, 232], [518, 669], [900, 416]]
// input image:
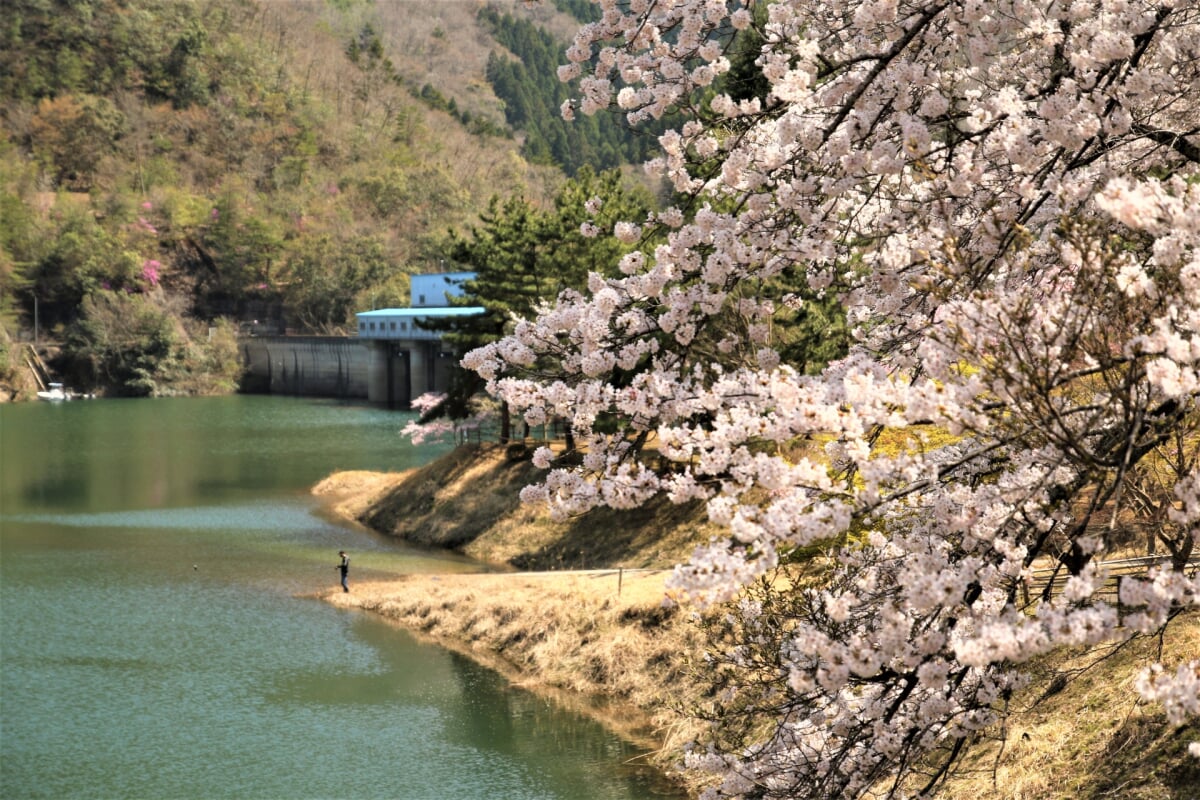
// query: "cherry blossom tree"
[[1004, 196]]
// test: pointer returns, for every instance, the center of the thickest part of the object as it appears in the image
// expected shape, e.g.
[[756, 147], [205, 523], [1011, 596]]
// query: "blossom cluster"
[[1005, 198]]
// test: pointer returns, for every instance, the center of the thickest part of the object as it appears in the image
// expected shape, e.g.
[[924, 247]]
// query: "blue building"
[[406, 360], [391, 361], [430, 302]]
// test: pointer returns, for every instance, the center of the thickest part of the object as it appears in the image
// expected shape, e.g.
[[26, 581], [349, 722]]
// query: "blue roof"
[[441, 311]]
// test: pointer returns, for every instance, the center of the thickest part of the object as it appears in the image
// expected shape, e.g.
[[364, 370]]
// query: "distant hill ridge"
[[166, 164]]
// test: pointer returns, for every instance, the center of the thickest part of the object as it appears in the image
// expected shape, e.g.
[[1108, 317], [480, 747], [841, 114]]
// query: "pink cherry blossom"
[[1005, 199]]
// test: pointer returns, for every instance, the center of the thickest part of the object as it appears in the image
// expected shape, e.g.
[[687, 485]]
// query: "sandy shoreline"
[[600, 642], [603, 643]]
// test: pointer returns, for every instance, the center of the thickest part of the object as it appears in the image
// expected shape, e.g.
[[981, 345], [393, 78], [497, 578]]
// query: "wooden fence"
[[1049, 581], [489, 431]]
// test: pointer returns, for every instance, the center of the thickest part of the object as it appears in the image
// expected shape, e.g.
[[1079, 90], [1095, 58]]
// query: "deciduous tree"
[[326, 277], [1004, 197]]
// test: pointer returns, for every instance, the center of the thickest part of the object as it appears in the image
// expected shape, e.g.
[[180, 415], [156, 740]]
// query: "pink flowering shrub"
[[150, 271], [1005, 198], [418, 433], [422, 430], [425, 403]]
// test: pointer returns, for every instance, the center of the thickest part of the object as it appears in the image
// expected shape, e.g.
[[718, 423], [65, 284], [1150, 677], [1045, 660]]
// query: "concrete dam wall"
[[389, 372], [320, 366]]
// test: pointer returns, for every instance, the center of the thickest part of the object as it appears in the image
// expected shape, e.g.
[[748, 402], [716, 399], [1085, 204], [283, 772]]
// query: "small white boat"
[[54, 393]]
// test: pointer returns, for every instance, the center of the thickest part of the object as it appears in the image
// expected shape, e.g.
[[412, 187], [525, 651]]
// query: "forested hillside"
[[172, 169], [533, 96]]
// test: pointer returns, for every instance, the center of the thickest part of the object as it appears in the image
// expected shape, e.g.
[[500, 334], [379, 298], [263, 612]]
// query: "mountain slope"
[[264, 161]]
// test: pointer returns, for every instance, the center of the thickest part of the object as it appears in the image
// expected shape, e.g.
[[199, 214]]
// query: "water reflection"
[[155, 646]]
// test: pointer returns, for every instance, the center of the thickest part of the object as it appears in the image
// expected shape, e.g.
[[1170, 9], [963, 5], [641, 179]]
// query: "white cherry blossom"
[[1004, 196]]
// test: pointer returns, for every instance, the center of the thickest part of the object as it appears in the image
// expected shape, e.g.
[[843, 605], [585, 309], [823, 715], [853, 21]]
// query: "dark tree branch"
[[1176, 141]]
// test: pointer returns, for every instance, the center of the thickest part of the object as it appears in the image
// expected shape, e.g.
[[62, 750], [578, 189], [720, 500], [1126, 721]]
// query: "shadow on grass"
[[476, 489], [1143, 761], [606, 537]]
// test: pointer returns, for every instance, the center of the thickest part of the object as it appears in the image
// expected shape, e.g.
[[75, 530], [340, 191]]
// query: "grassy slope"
[[601, 641], [1093, 738], [468, 500], [576, 633]]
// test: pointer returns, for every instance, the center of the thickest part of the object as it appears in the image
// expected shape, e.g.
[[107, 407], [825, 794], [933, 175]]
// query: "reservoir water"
[[156, 641]]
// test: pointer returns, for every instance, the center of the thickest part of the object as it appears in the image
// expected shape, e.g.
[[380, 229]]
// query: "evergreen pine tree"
[[523, 257]]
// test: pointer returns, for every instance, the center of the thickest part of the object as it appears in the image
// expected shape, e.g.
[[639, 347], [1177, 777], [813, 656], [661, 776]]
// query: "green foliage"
[[523, 257], [812, 328], [214, 362], [80, 257], [243, 244], [745, 79], [389, 192], [479, 125], [574, 255], [71, 135], [17, 227], [185, 80], [326, 279], [199, 154], [97, 47], [8, 363], [135, 346], [507, 256], [124, 342], [582, 10]]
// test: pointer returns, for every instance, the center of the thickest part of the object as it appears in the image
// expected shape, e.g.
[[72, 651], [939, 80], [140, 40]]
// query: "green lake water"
[[156, 642]]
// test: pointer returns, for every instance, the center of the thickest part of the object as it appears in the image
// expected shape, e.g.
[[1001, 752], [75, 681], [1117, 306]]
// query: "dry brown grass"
[[441, 43], [351, 493], [624, 658], [602, 642], [1091, 737], [469, 500]]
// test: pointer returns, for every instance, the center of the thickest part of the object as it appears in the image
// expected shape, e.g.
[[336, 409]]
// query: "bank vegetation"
[[579, 610], [174, 173]]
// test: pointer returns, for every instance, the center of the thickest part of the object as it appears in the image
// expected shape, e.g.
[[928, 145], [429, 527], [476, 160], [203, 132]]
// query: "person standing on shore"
[[344, 567]]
